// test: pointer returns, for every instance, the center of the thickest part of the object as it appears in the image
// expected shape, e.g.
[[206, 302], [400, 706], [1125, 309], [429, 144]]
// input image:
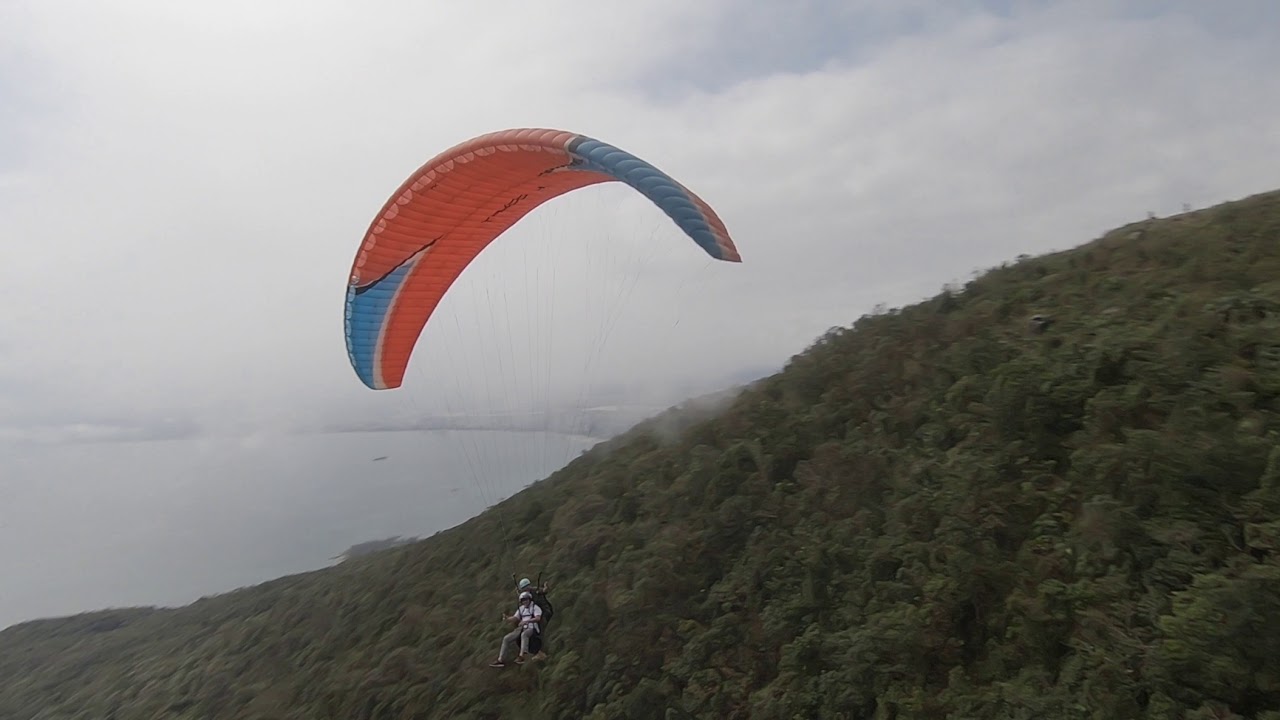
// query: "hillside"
[[945, 510]]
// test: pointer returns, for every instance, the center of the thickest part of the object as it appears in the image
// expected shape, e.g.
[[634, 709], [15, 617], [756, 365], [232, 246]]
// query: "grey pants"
[[522, 634]]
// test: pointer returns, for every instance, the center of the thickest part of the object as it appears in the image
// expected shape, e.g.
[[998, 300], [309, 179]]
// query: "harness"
[[528, 612]]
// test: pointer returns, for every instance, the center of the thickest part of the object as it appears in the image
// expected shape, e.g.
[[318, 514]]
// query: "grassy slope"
[[933, 513]]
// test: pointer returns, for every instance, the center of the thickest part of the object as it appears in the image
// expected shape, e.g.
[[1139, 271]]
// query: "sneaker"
[[497, 663]]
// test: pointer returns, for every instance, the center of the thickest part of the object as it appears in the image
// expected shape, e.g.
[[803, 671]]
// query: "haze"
[[183, 188]]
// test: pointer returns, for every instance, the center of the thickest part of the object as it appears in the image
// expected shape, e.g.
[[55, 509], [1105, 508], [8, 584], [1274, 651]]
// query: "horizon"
[[183, 190]]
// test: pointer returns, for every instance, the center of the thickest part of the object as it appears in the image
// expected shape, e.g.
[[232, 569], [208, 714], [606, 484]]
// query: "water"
[[87, 526]]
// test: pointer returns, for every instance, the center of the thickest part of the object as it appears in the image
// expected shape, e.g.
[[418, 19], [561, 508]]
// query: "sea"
[[93, 525]]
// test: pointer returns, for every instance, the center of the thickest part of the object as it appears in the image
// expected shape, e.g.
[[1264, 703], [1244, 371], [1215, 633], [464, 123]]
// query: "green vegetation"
[[373, 546], [944, 511]]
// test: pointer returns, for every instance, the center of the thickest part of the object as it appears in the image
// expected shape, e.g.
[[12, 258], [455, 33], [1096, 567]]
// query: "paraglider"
[[453, 206], [442, 217], [526, 619]]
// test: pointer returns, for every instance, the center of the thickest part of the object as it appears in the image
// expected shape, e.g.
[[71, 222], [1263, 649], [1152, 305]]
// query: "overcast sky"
[[183, 187]]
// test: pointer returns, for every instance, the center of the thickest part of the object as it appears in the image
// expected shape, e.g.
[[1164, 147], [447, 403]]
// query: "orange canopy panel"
[[440, 219]]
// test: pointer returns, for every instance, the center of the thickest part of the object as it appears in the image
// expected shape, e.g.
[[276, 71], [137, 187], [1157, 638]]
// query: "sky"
[[183, 188]]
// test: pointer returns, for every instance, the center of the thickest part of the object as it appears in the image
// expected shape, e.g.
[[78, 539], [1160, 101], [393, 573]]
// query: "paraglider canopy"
[[453, 206]]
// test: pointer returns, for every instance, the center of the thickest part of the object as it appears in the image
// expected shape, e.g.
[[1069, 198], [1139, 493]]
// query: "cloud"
[[100, 430], [183, 187], [188, 211]]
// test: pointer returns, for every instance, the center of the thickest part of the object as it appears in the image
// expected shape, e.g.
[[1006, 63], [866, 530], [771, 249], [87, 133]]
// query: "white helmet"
[[525, 596]]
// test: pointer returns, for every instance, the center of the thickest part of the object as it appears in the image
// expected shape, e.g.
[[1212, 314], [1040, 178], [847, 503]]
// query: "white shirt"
[[529, 615]]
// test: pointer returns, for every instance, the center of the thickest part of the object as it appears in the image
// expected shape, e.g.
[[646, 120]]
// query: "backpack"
[[540, 599]]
